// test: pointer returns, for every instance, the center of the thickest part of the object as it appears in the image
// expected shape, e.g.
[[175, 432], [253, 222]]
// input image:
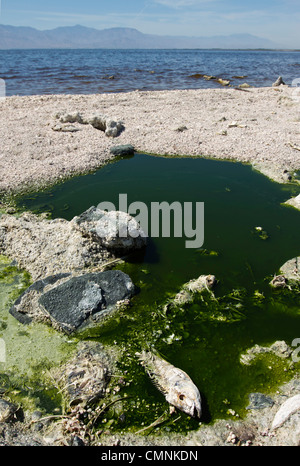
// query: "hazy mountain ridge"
[[13, 37]]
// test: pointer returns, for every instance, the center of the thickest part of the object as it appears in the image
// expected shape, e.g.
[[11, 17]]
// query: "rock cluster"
[[48, 247], [112, 128]]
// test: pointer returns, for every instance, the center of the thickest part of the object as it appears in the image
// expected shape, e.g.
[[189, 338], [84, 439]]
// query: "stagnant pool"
[[208, 336]]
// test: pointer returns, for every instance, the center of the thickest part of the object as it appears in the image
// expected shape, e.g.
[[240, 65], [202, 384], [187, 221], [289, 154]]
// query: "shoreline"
[[259, 126], [174, 123]]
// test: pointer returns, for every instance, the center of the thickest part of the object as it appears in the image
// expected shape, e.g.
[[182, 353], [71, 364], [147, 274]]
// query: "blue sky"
[[277, 20]]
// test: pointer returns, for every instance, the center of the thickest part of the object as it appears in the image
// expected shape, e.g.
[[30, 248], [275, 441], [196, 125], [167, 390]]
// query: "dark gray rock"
[[17, 309], [123, 150], [259, 401], [70, 304]]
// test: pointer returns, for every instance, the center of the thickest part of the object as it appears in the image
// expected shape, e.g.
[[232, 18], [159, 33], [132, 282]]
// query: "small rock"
[[180, 129], [244, 86], [259, 401], [278, 82], [224, 82], [7, 410], [278, 281], [231, 438], [287, 176], [111, 127], [123, 150], [65, 128]]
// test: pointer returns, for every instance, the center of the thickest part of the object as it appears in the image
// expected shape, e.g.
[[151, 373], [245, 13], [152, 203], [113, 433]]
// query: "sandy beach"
[[260, 126]]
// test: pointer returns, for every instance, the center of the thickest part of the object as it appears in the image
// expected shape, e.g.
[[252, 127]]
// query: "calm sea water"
[[29, 72]]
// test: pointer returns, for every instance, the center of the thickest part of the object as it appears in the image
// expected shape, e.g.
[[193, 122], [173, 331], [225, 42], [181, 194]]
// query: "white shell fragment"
[[289, 407]]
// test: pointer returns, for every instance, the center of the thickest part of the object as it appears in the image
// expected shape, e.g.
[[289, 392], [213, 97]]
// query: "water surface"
[[206, 338], [29, 72]]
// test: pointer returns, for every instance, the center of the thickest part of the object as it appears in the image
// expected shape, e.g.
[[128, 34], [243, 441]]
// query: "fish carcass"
[[177, 387]]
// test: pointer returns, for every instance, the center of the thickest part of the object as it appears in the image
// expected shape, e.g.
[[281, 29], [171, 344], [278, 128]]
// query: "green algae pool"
[[207, 337]]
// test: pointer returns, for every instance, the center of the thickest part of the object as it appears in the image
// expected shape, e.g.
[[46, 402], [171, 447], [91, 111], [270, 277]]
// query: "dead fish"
[[177, 387], [289, 407]]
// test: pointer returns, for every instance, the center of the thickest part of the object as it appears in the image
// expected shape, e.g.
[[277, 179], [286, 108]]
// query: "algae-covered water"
[[248, 235]]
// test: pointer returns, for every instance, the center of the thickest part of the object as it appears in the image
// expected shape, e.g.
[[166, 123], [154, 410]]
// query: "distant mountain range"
[[80, 37]]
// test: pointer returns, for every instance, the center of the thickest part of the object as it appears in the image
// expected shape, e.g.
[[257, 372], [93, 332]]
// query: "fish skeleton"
[[177, 387]]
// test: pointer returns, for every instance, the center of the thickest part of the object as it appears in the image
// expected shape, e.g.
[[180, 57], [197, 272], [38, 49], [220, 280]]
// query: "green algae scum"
[[248, 235]]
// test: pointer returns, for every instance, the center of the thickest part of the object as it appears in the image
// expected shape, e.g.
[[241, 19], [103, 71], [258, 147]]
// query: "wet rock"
[[278, 281], [7, 410], [244, 86], [224, 82], [70, 304], [294, 201], [208, 77], [259, 401], [122, 150], [291, 271], [116, 231], [196, 76], [278, 82]]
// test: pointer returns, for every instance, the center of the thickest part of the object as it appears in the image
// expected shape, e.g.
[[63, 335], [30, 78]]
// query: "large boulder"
[[289, 274], [71, 303], [116, 231]]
